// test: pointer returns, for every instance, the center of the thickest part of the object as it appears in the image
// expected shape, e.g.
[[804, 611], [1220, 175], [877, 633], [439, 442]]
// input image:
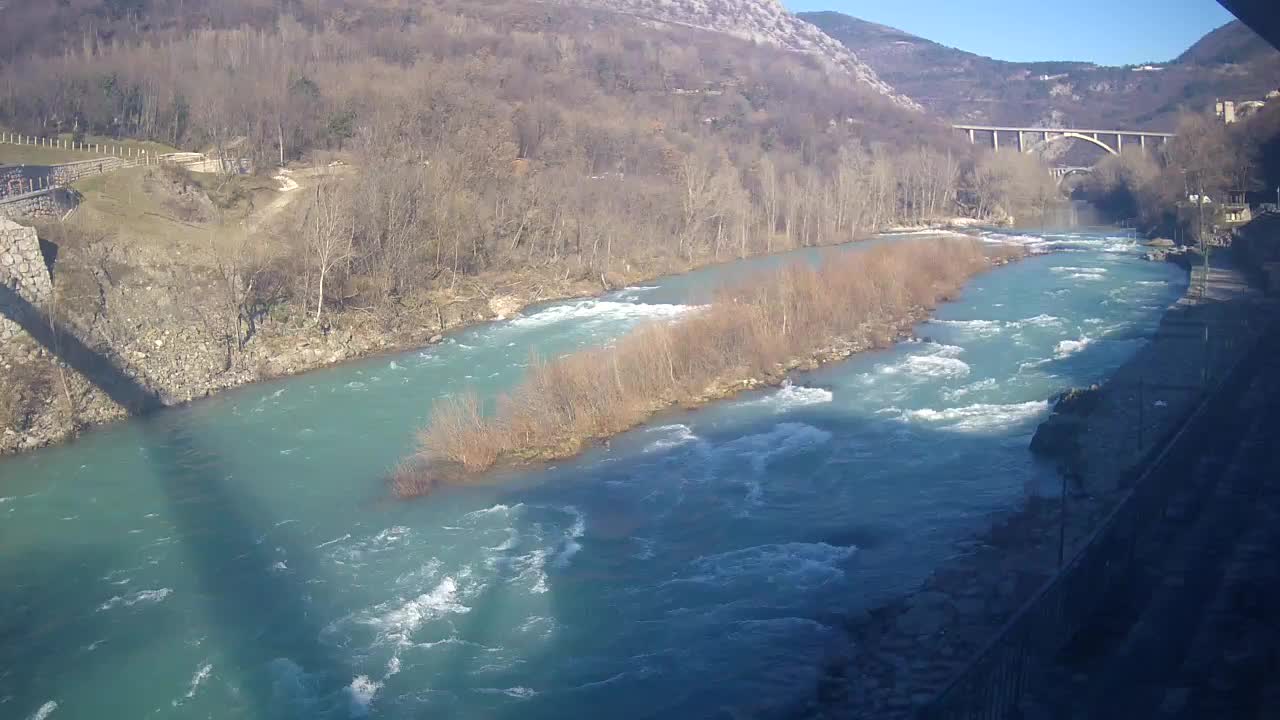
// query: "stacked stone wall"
[[41, 205], [71, 172], [23, 271]]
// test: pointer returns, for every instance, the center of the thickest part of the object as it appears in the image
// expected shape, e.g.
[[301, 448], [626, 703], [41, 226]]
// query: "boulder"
[[1058, 437]]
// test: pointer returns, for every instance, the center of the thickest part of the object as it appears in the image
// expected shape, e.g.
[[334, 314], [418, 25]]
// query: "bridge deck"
[[1001, 128]]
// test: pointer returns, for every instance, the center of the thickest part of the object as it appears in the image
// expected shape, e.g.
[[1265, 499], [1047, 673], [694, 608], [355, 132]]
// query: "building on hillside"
[[1230, 111], [1225, 110], [1235, 211], [1220, 218]]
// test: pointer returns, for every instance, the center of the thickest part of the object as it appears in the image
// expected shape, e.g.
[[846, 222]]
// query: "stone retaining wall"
[[23, 179], [71, 172], [52, 203], [23, 270]]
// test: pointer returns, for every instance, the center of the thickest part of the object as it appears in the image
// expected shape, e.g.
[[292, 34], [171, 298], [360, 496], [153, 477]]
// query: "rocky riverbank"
[[181, 350], [169, 333], [900, 655]]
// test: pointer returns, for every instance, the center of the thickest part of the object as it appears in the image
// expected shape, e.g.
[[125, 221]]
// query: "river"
[[241, 557]]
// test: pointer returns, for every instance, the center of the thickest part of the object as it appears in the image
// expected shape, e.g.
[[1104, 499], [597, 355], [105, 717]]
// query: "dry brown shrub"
[[411, 478], [459, 432], [750, 330]]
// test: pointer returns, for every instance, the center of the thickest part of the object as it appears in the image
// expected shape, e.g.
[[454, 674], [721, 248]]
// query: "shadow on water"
[[261, 615], [699, 650], [43, 627]]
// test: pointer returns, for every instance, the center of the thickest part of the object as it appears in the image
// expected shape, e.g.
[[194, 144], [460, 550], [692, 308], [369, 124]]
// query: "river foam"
[[789, 397], [599, 312], [932, 366], [760, 450], [1066, 348], [672, 436], [793, 566], [147, 597], [44, 711], [397, 624], [974, 328], [570, 545], [980, 386], [784, 439], [361, 692], [979, 418]]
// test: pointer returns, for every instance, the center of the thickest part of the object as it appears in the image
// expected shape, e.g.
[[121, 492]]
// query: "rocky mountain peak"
[[762, 21]]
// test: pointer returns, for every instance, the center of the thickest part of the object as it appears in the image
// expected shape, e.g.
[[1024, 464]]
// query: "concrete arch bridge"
[[1030, 139]]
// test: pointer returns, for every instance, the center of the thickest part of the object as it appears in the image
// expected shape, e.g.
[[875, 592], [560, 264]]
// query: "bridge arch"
[[1077, 136], [1068, 172]]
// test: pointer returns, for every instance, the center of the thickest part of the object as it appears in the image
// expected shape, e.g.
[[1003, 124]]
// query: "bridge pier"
[[970, 136], [995, 140], [1119, 143], [1020, 147]]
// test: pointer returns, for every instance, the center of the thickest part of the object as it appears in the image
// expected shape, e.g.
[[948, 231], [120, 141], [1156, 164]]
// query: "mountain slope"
[[762, 21], [49, 27], [1231, 63], [1233, 43]]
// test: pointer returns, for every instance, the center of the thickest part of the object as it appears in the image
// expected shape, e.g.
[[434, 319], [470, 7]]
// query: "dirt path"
[[291, 181], [288, 193]]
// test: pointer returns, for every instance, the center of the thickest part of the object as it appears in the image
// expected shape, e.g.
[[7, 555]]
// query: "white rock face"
[[762, 21]]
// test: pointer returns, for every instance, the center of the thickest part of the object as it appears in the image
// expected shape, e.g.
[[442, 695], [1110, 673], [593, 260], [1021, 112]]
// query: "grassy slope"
[[38, 155], [134, 206]]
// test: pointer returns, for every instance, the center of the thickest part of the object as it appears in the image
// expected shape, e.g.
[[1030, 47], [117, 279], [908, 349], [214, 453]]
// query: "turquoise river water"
[[241, 558]]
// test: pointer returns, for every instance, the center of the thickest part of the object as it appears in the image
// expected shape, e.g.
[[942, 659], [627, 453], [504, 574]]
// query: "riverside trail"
[[699, 564]]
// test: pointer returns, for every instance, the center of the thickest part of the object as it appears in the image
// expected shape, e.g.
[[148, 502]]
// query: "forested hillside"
[[492, 135], [457, 159], [1230, 63]]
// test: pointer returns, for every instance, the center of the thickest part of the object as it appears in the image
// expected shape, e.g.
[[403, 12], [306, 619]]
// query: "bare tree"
[[239, 265], [329, 229]]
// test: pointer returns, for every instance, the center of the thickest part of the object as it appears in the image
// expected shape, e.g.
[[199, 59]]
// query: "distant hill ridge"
[[1231, 62]]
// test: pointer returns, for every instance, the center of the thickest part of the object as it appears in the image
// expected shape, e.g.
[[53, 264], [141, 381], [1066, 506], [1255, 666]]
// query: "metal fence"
[[994, 684]]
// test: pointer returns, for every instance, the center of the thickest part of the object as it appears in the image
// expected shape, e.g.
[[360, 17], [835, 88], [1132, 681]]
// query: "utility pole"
[[1204, 244]]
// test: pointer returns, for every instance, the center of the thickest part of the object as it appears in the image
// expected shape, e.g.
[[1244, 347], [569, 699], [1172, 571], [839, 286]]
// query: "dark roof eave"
[[1259, 15]]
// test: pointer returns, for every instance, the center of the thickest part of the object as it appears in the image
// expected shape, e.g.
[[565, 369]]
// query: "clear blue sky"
[[1108, 32]]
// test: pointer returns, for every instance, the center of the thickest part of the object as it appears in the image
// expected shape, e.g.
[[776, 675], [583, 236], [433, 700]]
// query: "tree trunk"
[[320, 294]]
